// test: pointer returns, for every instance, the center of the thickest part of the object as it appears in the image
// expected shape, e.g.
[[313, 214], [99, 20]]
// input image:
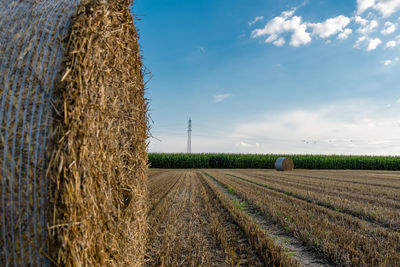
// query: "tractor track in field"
[[294, 247]]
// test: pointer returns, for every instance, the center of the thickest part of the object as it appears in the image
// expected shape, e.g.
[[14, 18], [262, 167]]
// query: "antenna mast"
[[189, 143]]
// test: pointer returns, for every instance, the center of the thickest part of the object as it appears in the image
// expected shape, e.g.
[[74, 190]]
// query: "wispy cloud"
[[222, 97], [255, 20], [345, 127], [243, 144], [387, 62], [279, 42]]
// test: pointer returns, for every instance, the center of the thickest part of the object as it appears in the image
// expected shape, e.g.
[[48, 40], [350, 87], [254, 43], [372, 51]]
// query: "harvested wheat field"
[[268, 218]]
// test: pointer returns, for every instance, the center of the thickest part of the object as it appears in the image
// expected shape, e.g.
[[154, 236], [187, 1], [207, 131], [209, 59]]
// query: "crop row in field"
[[194, 223], [364, 202], [344, 239], [264, 217], [266, 161], [271, 254]]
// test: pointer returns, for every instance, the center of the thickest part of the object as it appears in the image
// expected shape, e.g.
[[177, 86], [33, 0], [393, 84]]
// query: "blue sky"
[[273, 76]]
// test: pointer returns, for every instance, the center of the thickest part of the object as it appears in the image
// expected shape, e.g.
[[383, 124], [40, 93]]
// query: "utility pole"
[[189, 143]]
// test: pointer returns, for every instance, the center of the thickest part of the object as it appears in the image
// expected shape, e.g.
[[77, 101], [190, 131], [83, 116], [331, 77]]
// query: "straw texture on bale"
[[73, 134], [102, 203], [284, 164]]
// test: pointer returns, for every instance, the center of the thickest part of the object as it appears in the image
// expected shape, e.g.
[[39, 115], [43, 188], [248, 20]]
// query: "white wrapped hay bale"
[[284, 164], [73, 134]]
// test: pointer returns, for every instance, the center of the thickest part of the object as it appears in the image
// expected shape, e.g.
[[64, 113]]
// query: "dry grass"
[[100, 207]]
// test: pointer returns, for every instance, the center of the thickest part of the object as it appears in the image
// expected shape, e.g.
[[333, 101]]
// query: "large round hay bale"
[[73, 134], [284, 164]]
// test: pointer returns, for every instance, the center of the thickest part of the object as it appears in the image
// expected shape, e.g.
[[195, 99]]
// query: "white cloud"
[[363, 5], [301, 32], [390, 44], [330, 26], [279, 42], [387, 62], [300, 36], [222, 97], [361, 21], [385, 7], [368, 27], [359, 41], [286, 23], [372, 44], [398, 100], [389, 28], [345, 34], [255, 20]]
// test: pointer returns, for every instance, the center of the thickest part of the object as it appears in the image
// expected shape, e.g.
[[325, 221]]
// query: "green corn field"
[[267, 161]]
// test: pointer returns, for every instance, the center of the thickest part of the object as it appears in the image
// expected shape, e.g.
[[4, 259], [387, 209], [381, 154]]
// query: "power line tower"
[[189, 143]]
